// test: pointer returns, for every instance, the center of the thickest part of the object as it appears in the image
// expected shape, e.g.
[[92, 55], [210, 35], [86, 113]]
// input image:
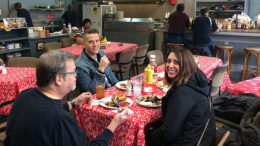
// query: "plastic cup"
[[137, 88], [100, 88], [155, 78]]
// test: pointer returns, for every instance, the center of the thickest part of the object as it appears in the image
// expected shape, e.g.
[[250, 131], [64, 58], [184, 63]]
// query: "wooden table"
[[246, 86], [13, 83], [111, 50], [94, 119]]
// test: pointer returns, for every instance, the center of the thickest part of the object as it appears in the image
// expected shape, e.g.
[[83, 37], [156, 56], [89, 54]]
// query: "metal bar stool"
[[248, 51], [228, 49]]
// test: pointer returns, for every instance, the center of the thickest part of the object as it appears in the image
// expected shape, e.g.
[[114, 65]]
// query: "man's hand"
[[118, 120], [83, 98], [103, 63]]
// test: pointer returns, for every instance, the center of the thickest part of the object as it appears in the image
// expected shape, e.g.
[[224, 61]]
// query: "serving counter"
[[239, 38]]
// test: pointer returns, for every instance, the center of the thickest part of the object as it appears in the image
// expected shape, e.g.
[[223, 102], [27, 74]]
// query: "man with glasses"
[[38, 117], [93, 65]]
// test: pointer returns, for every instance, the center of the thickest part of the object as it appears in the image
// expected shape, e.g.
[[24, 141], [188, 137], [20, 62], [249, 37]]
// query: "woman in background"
[[185, 108]]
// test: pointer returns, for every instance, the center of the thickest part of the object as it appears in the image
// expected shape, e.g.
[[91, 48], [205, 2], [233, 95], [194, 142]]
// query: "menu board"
[[12, 23]]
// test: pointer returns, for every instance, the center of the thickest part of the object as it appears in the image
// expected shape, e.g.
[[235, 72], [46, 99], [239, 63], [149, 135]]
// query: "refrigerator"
[[96, 14]]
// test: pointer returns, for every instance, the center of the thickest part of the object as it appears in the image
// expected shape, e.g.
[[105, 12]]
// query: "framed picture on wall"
[[40, 46]]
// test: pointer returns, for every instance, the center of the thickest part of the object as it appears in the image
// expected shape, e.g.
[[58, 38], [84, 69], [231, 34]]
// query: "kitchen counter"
[[239, 38]]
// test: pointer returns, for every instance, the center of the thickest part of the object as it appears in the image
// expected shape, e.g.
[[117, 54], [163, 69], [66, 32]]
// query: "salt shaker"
[[4, 70], [128, 88]]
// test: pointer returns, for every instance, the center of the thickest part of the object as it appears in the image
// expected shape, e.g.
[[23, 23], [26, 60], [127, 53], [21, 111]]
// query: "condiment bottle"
[[229, 25], [69, 28], [148, 75], [4, 70], [64, 30], [128, 88], [153, 63]]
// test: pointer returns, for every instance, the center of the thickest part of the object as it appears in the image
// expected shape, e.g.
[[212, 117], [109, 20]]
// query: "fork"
[[116, 103]]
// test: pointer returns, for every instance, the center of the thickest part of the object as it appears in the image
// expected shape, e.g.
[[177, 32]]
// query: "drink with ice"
[[137, 87]]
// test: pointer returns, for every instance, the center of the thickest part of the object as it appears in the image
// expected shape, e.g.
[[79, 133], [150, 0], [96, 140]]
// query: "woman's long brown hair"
[[187, 66]]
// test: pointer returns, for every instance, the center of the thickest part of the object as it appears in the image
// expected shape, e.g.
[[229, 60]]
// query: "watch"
[[72, 103]]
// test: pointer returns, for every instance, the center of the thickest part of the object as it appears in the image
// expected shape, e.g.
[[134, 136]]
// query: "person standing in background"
[[201, 26], [70, 16], [178, 21], [79, 34], [23, 13]]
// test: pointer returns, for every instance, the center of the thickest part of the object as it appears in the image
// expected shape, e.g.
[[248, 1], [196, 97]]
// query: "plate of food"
[[150, 100], [121, 85], [162, 84], [116, 101]]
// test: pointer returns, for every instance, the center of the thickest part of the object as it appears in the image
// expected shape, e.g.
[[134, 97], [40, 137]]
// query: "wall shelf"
[[18, 35], [221, 12], [14, 39], [44, 9], [15, 50]]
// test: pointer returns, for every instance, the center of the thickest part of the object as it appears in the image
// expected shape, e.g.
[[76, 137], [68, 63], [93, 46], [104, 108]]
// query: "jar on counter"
[[41, 33]]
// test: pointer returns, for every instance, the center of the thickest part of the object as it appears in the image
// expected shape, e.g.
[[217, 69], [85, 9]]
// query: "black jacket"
[[37, 120], [185, 111]]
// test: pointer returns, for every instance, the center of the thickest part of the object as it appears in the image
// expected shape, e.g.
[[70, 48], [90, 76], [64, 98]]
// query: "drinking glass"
[[137, 88], [100, 88], [155, 78]]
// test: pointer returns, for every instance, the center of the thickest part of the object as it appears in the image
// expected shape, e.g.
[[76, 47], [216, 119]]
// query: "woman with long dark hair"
[[187, 115]]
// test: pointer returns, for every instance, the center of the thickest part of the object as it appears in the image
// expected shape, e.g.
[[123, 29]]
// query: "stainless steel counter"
[[130, 30]]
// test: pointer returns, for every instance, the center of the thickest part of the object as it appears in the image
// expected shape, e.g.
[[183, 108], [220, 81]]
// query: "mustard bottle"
[[229, 25], [148, 75]]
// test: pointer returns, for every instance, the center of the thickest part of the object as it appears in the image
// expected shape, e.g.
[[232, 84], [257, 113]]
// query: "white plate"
[[120, 87], [149, 104], [103, 101], [158, 84], [161, 75]]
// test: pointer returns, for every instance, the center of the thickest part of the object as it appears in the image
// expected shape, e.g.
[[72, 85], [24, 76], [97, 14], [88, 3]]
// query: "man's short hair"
[[51, 64], [86, 21], [18, 5], [180, 7], [90, 31], [204, 10]]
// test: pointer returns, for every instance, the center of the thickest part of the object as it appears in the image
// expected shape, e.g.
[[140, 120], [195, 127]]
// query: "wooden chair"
[[228, 49], [23, 62], [217, 79], [220, 142], [52, 46], [3, 118], [139, 57], [248, 51], [66, 42], [123, 62], [159, 56]]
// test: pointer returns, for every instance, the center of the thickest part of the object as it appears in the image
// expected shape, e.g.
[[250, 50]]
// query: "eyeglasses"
[[69, 72]]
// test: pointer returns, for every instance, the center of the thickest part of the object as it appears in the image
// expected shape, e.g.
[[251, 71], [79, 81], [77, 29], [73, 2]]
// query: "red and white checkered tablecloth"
[[246, 86], [15, 81], [111, 50], [94, 119]]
